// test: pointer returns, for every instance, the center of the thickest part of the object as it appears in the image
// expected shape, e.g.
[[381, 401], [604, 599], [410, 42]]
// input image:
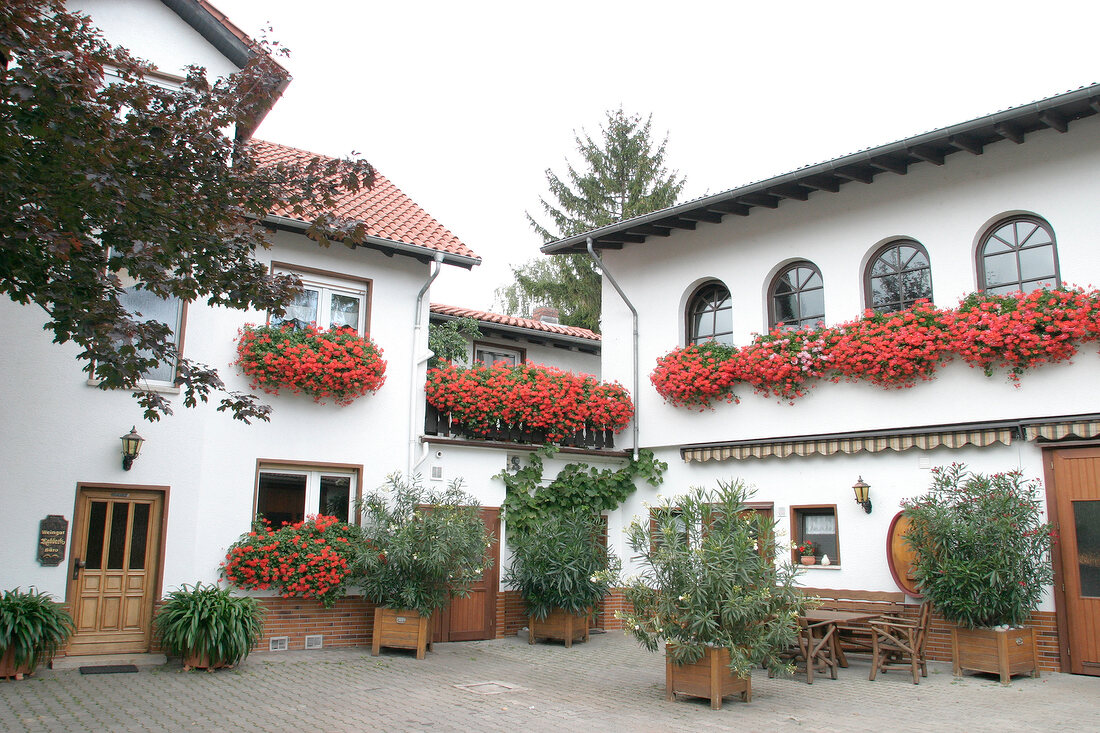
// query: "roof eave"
[[425, 254], [1013, 124], [528, 333]]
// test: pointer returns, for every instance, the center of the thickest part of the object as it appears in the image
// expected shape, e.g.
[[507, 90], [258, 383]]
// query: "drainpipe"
[[419, 358], [634, 314]]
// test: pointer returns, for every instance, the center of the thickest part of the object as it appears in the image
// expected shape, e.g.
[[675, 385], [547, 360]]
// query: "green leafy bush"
[[709, 579], [208, 622], [558, 561], [33, 625], [420, 546], [982, 547]]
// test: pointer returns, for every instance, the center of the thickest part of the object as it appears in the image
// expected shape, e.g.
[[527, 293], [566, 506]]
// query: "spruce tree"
[[623, 175]]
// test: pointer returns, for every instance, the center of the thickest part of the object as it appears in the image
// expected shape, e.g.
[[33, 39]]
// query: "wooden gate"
[[114, 569], [474, 617], [1076, 510]]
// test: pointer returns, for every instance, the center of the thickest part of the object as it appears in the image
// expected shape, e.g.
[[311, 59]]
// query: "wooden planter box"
[[560, 625], [710, 677], [8, 668], [997, 651], [400, 629]]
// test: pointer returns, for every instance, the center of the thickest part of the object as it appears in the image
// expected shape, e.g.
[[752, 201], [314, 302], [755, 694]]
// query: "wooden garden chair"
[[899, 642], [816, 648]]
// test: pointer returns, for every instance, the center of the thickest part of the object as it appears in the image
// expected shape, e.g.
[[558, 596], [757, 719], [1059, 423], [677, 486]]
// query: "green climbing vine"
[[577, 486]]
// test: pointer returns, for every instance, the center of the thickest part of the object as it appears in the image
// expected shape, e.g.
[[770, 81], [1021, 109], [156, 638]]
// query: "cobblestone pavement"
[[609, 683]]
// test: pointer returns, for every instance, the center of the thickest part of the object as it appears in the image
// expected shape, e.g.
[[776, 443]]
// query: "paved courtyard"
[[609, 683]]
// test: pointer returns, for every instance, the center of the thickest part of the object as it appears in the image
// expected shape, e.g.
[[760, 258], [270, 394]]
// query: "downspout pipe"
[[418, 358], [634, 340]]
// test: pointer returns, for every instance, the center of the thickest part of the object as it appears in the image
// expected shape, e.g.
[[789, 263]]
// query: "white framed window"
[[327, 300], [490, 354], [287, 494], [145, 306]]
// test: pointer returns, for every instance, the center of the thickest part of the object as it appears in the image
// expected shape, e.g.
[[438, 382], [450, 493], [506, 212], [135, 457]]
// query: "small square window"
[[491, 355], [817, 524]]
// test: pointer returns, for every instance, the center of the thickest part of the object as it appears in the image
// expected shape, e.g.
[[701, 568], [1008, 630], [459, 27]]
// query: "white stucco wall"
[[151, 31], [56, 430], [946, 209]]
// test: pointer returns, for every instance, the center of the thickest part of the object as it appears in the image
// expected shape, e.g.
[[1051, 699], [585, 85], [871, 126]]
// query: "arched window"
[[797, 297], [710, 315], [897, 276], [1018, 254]]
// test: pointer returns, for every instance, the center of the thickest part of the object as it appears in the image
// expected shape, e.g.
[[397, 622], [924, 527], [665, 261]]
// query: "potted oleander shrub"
[[714, 589], [563, 571], [32, 628], [983, 559], [419, 548], [208, 627]]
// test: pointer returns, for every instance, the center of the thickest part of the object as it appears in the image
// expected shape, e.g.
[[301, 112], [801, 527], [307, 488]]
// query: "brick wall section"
[[346, 624], [512, 616]]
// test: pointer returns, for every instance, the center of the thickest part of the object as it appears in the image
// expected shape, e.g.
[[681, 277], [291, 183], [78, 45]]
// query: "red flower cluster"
[[337, 364], [1012, 332], [530, 397], [309, 559]]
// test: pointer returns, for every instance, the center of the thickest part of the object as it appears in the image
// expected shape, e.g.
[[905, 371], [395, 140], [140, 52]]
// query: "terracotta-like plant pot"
[[1004, 652], [710, 677], [196, 660], [400, 629], [558, 624], [809, 560], [8, 668]]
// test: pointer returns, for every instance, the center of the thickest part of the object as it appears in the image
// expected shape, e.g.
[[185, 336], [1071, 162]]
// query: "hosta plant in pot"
[[207, 626], [32, 628], [983, 558], [563, 571], [419, 548], [714, 590]]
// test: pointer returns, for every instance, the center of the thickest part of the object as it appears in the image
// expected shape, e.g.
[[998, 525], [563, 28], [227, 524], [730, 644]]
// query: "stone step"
[[95, 660]]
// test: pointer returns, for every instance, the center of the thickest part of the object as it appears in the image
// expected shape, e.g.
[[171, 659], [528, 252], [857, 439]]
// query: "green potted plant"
[[712, 588], [983, 558], [207, 626], [562, 570], [32, 628], [419, 548]]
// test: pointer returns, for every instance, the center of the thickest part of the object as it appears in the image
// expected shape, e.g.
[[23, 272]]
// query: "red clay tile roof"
[[384, 209], [557, 328]]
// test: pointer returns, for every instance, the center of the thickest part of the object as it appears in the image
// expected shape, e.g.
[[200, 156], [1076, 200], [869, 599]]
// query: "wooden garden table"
[[821, 618]]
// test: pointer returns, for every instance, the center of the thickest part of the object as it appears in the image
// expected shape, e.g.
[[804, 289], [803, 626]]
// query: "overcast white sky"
[[463, 105]]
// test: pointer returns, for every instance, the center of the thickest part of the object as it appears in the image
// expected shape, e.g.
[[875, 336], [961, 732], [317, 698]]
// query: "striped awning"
[[871, 443], [1062, 430]]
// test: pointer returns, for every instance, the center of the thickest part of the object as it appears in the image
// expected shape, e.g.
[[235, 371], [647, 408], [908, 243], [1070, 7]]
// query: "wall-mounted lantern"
[[131, 446], [863, 494]]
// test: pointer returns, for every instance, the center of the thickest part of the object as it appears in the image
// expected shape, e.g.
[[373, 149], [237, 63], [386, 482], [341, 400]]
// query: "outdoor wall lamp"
[[863, 494], [131, 446]]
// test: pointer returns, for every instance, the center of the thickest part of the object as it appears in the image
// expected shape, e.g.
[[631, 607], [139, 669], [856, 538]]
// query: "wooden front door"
[[474, 617], [113, 569], [1077, 512]]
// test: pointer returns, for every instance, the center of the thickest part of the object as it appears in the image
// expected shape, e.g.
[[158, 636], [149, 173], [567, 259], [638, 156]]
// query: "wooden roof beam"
[[891, 165], [1009, 131], [703, 215], [964, 142], [1095, 104], [796, 192], [676, 222], [651, 230], [730, 207], [623, 237], [822, 183], [928, 155], [1053, 118], [760, 199], [855, 174]]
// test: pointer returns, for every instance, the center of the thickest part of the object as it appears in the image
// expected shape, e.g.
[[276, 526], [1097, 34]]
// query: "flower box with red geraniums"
[[337, 364], [1014, 332], [309, 559], [530, 397]]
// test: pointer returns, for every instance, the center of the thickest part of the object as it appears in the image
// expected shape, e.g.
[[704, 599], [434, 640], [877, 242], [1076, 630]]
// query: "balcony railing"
[[440, 424]]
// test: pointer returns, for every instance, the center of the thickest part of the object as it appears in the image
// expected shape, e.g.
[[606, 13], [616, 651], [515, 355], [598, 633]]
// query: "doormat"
[[109, 669]]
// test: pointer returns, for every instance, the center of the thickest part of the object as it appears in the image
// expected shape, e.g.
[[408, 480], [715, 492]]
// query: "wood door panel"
[[1077, 485], [473, 617], [115, 526]]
